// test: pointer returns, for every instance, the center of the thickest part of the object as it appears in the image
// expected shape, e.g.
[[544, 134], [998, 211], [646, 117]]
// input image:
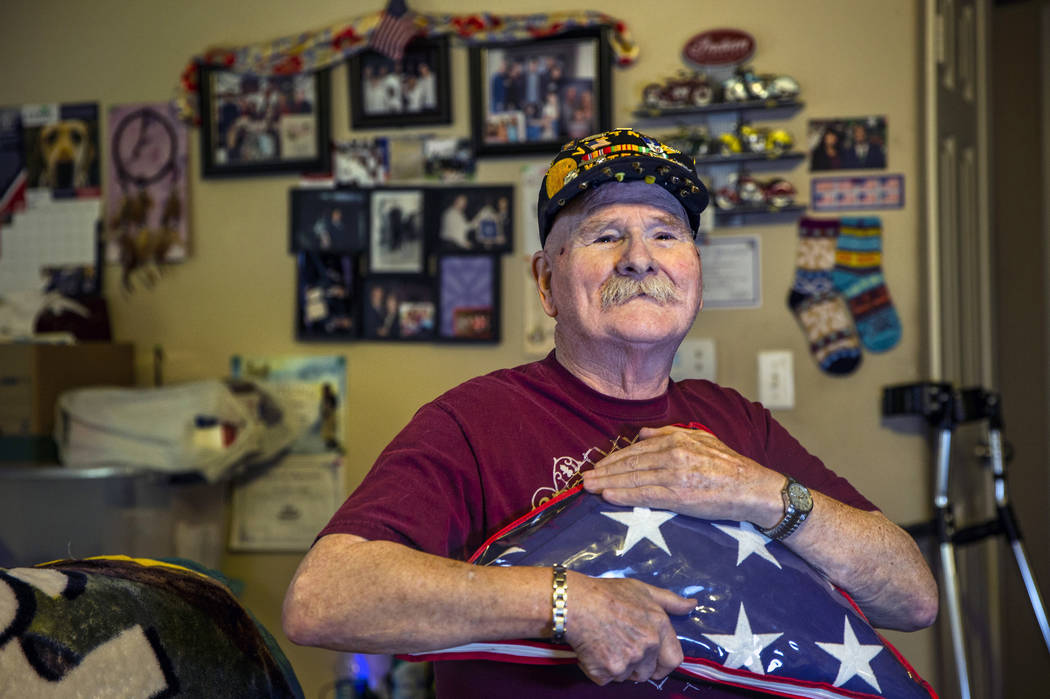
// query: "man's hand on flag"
[[691, 472], [620, 628]]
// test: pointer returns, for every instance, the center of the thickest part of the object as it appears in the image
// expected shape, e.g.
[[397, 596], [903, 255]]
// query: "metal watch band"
[[792, 519], [558, 600]]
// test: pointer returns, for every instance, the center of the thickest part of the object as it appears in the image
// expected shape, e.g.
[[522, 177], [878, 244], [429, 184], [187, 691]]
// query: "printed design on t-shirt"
[[566, 469]]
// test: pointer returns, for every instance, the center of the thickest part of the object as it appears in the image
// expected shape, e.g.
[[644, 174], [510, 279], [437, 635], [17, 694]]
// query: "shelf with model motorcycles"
[[736, 145]]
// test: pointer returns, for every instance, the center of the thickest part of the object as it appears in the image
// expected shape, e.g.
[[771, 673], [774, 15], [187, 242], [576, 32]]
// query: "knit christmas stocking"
[[858, 276], [818, 307]]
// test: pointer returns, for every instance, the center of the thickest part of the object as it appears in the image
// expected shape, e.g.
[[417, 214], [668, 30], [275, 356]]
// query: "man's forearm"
[[380, 597], [872, 559]]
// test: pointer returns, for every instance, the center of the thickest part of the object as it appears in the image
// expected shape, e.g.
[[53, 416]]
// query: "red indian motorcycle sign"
[[719, 47]]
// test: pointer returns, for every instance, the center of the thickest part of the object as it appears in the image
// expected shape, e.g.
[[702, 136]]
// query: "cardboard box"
[[32, 376]]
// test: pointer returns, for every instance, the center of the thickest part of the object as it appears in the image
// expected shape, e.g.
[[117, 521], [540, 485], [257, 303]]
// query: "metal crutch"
[[936, 403], [979, 404]]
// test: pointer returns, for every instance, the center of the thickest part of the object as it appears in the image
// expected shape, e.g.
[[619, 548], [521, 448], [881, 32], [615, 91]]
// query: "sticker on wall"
[[857, 143], [853, 193]]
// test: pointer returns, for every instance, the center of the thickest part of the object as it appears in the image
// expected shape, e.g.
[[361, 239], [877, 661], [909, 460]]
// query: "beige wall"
[[235, 294]]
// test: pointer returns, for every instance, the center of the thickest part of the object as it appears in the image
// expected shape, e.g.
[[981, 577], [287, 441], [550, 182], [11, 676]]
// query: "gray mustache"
[[619, 289]]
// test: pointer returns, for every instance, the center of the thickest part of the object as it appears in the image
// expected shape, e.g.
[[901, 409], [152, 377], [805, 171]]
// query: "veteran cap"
[[615, 156]]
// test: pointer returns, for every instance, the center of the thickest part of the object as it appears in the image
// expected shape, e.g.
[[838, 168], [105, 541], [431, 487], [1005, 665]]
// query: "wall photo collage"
[[400, 263]]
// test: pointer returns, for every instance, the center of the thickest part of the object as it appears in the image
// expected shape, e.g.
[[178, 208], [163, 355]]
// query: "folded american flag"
[[765, 619], [395, 29]]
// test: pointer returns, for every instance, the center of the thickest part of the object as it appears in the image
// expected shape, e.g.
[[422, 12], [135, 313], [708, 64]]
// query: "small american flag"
[[765, 620], [396, 28]]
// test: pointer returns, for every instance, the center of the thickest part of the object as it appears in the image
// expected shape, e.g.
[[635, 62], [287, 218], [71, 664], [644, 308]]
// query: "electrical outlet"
[[695, 359], [776, 379]]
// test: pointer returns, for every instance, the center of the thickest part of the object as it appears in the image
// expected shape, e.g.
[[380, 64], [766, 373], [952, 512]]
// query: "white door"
[[960, 309]]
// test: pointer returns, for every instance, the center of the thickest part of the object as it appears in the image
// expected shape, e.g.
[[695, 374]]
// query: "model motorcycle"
[[746, 85], [685, 89], [743, 190]]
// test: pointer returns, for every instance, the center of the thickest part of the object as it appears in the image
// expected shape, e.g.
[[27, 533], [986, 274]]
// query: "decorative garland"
[[322, 48]]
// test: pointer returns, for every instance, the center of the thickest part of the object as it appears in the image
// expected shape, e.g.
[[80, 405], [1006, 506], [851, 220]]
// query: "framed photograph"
[[471, 219], [413, 91], [252, 124], [536, 95], [468, 293], [399, 308], [325, 296], [328, 220], [396, 231], [857, 143]]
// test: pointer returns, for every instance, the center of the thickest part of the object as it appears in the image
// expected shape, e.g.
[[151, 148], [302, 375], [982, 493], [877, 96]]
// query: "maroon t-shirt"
[[496, 446]]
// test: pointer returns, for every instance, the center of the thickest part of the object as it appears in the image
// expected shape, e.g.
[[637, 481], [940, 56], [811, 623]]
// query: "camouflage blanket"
[[114, 626]]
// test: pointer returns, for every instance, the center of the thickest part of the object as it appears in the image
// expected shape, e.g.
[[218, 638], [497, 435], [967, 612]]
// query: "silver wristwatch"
[[798, 502]]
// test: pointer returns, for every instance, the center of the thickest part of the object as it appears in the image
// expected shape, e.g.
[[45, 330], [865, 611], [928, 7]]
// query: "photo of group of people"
[[848, 144], [258, 123], [543, 92], [397, 87], [472, 220], [400, 263], [411, 90], [399, 309], [361, 162]]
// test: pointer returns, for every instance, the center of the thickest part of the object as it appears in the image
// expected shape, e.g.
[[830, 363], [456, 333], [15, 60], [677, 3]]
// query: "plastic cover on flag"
[[765, 619]]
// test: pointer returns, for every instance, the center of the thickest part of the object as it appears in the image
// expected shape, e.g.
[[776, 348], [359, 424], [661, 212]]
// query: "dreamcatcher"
[[145, 152]]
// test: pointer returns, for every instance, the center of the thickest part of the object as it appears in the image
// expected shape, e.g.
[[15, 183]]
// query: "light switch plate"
[[776, 379], [695, 359]]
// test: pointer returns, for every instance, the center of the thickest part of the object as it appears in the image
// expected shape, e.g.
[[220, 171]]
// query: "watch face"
[[800, 497]]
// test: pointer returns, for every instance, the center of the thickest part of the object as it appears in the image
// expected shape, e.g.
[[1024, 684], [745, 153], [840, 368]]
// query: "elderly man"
[[621, 274]]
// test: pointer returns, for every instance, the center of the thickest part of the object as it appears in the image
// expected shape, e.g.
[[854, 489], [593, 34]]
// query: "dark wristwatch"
[[798, 502]]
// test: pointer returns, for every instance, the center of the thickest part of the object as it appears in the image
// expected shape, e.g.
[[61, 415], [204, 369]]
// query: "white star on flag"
[[642, 523], [854, 658], [749, 541], [744, 648]]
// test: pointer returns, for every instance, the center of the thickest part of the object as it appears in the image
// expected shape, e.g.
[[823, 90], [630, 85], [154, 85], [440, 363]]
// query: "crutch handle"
[[975, 403], [931, 400]]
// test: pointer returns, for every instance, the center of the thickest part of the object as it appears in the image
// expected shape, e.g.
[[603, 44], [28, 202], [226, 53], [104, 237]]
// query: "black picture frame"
[[399, 308], [572, 82], [397, 236], [327, 296], [257, 125], [414, 91], [328, 220], [468, 299], [471, 219]]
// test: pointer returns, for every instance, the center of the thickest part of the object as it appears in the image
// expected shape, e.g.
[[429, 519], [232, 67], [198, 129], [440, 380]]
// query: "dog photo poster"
[[62, 149]]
